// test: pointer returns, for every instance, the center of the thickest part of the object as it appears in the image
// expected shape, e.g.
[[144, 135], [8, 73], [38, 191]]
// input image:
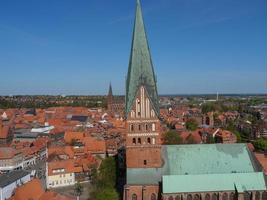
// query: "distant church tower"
[[143, 141], [110, 99]]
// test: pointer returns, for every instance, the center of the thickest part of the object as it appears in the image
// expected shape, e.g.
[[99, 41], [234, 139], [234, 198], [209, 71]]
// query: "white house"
[[10, 181]]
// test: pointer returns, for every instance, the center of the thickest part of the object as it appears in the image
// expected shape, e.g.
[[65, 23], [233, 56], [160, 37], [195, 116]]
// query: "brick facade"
[[143, 141]]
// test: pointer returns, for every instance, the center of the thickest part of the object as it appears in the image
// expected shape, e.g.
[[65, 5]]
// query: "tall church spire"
[[140, 70], [110, 90]]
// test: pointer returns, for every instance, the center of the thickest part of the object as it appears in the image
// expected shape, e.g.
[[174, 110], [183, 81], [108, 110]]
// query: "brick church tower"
[[143, 144]]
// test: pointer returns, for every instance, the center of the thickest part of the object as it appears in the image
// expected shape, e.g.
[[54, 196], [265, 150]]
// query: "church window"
[[139, 127], [134, 141], [146, 127], [232, 196], [214, 196], [138, 107], [148, 140], [145, 162], [207, 197], [139, 140], [153, 196], [264, 196], [134, 197], [225, 196], [247, 196], [132, 127], [170, 198], [196, 197], [177, 197], [189, 197], [257, 195], [153, 127]]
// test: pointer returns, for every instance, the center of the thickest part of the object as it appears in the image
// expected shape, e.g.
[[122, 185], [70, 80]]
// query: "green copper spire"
[[140, 71]]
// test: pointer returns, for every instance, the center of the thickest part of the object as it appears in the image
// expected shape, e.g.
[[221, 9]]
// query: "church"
[[177, 172]]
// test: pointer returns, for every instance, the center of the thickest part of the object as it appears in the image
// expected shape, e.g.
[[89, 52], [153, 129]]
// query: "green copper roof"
[[214, 182], [140, 71], [206, 159], [210, 159]]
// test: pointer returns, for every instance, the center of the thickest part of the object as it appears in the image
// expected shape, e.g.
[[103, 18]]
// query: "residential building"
[[10, 159], [6, 134], [10, 181], [61, 173], [33, 190]]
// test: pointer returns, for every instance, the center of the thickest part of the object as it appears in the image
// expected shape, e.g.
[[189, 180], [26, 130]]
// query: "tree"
[[107, 173], [238, 136], [106, 193], [210, 139], [191, 125], [78, 190], [104, 181], [260, 144], [172, 137]]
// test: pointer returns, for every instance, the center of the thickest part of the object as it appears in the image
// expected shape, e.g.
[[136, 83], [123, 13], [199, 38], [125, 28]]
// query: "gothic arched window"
[[189, 197], [148, 140], [264, 196], [207, 197], [214, 196], [232, 196], [196, 197], [134, 141], [139, 140], [170, 198], [225, 196], [153, 196], [177, 197], [134, 197], [257, 195], [247, 196]]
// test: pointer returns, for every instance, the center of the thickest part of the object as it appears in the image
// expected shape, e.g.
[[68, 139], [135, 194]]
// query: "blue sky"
[[79, 46]]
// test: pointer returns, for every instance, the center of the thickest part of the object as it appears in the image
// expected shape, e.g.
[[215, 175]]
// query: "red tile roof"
[[8, 152], [68, 166], [33, 190], [69, 136], [262, 160]]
